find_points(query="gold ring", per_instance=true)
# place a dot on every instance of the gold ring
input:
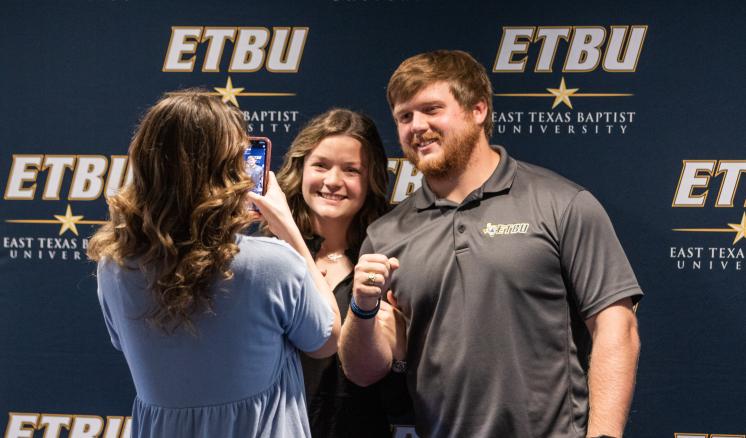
(372, 277)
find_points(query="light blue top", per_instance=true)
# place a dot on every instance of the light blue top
(241, 374)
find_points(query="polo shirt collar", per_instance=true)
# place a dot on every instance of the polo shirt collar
(500, 181)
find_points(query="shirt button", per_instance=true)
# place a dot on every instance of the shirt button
(461, 228)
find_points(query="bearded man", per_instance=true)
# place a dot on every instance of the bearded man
(508, 275)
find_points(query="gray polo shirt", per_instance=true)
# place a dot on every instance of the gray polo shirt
(496, 290)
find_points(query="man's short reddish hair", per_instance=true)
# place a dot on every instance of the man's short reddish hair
(466, 78)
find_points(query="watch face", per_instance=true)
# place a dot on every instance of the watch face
(399, 366)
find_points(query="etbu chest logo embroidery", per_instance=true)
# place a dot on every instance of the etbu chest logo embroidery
(493, 230)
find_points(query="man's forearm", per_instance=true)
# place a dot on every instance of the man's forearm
(364, 350)
(611, 377)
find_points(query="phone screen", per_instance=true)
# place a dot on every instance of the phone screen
(256, 159)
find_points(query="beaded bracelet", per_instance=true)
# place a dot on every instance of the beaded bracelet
(364, 314)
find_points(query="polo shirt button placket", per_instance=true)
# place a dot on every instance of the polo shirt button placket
(460, 238)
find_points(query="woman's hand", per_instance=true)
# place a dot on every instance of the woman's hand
(273, 207)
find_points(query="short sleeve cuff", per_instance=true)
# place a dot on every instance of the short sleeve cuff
(327, 331)
(635, 293)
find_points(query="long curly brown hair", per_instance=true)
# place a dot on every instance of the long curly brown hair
(178, 218)
(337, 121)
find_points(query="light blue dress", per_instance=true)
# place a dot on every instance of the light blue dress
(240, 376)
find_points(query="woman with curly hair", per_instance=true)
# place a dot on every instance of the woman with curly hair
(335, 179)
(209, 321)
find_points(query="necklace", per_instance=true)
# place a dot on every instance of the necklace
(334, 257)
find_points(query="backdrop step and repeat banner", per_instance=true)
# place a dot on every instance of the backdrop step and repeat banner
(640, 103)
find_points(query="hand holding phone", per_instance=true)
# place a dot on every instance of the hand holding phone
(257, 157)
(275, 211)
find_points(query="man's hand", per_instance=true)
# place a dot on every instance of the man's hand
(368, 345)
(372, 278)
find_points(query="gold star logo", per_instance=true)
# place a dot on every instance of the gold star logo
(740, 229)
(229, 93)
(68, 221)
(562, 94)
(489, 229)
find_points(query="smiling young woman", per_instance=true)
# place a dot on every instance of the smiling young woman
(335, 179)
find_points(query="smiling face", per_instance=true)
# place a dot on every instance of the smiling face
(335, 179)
(436, 134)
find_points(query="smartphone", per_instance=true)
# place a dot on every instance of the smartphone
(257, 157)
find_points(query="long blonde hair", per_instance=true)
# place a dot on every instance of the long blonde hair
(333, 122)
(178, 218)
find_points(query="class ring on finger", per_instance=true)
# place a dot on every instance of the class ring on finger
(371, 280)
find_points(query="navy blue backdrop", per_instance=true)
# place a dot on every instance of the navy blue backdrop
(654, 129)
